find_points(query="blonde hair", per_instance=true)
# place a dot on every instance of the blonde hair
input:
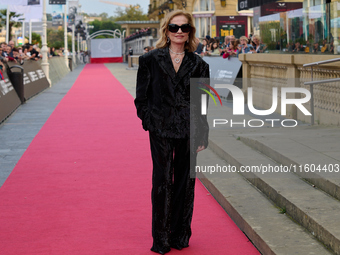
(243, 38)
(162, 41)
(256, 36)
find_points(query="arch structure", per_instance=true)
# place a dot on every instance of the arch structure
(106, 50)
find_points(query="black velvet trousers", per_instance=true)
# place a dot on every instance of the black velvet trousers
(172, 191)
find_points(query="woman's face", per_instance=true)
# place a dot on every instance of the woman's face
(256, 41)
(204, 42)
(178, 37)
(215, 45)
(243, 41)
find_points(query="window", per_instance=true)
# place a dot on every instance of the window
(203, 11)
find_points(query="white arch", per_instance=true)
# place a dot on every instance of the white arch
(112, 33)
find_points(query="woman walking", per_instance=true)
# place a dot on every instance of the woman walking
(163, 105)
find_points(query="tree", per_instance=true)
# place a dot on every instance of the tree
(55, 38)
(36, 38)
(130, 13)
(103, 25)
(3, 20)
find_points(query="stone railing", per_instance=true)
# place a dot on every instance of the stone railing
(138, 44)
(263, 72)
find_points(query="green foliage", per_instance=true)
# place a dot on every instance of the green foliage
(49, 17)
(131, 13)
(103, 25)
(55, 38)
(3, 20)
(266, 33)
(36, 38)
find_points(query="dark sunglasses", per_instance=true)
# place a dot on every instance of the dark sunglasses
(173, 28)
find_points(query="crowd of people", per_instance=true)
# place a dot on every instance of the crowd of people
(25, 52)
(296, 47)
(231, 47)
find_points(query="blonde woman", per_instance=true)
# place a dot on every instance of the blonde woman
(258, 46)
(163, 105)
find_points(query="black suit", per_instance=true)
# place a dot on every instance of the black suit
(165, 105)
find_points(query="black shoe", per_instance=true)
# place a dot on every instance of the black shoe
(161, 251)
(176, 246)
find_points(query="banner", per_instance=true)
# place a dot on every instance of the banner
(19, 9)
(63, 2)
(33, 2)
(57, 15)
(226, 70)
(14, 2)
(248, 4)
(35, 14)
(32, 12)
(73, 12)
(106, 48)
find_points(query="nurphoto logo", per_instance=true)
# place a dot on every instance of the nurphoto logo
(239, 103)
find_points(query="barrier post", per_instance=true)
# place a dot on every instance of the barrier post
(65, 36)
(45, 65)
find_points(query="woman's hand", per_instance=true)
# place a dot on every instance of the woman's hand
(200, 148)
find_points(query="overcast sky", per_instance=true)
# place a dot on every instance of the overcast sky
(95, 6)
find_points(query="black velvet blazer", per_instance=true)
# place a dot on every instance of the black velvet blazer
(163, 96)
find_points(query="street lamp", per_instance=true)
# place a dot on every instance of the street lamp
(171, 5)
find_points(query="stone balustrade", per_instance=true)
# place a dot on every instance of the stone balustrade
(263, 72)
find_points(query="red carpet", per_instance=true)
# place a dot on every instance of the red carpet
(83, 186)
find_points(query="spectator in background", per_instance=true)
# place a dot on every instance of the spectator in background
(226, 42)
(205, 45)
(7, 52)
(33, 54)
(53, 53)
(232, 50)
(3, 49)
(199, 48)
(250, 38)
(297, 48)
(213, 48)
(291, 47)
(130, 51)
(11, 44)
(3, 55)
(146, 49)
(278, 46)
(17, 56)
(258, 47)
(331, 47)
(2, 70)
(308, 47)
(316, 48)
(244, 46)
(324, 47)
